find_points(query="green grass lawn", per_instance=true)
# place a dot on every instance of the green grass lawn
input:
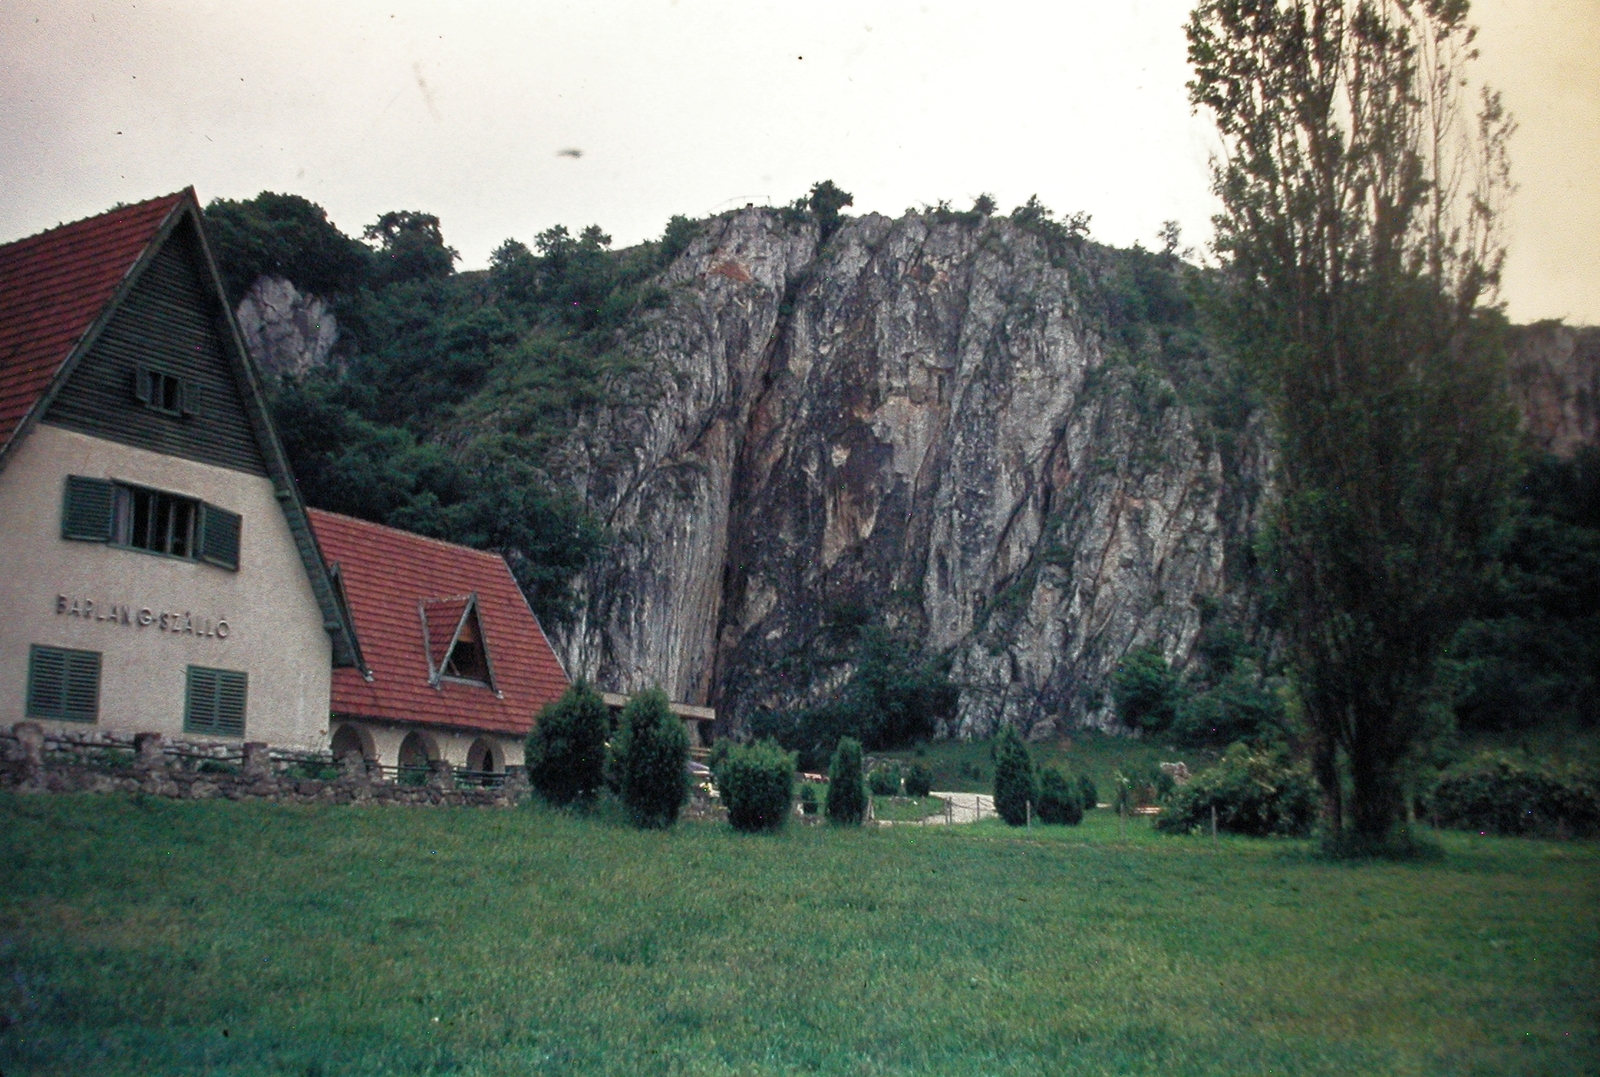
(152, 937)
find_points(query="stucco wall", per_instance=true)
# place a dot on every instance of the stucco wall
(273, 624)
(451, 745)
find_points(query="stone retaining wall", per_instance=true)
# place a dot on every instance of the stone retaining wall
(29, 767)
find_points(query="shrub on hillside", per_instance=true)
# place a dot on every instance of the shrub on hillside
(757, 785)
(1088, 795)
(567, 748)
(884, 781)
(1058, 799)
(919, 781)
(652, 760)
(1147, 692)
(847, 795)
(1257, 792)
(1013, 777)
(1498, 793)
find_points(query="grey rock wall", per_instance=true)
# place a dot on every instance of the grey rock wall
(922, 420)
(287, 332)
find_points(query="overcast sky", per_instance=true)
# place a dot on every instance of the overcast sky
(478, 112)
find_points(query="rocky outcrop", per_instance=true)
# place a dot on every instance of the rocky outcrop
(1555, 385)
(287, 332)
(923, 419)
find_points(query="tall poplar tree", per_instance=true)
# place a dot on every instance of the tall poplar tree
(1360, 188)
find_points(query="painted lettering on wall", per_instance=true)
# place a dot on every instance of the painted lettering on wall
(186, 623)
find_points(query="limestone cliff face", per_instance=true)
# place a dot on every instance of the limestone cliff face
(1555, 385)
(287, 332)
(921, 419)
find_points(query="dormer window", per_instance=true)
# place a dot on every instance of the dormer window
(467, 659)
(453, 635)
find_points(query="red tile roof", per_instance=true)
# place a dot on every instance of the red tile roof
(52, 288)
(387, 575)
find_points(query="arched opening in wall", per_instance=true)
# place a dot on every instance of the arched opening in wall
(417, 751)
(485, 761)
(352, 742)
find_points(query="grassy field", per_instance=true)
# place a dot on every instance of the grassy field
(152, 937)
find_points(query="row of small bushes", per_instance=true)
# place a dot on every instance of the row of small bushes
(1020, 794)
(888, 780)
(573, 754)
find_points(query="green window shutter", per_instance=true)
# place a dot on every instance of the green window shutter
(219, 536)
(141, 385)
(63, 684)
(215, 702)
(86, 509)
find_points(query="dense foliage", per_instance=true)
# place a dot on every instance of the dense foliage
(847, 794)
(1500, 793)
(567, 748)
(1060, 800)
(1257, 792)
(1531, 653)
(895, 694)
(884, 781)
(1014, 789)
(652, 760)
(756, 783)
(919, 781)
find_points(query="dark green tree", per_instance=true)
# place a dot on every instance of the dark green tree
(652, 763)
(1059, 799)
(1014, 787)
(1146, 691)
(756, 782)
(1359, 200)
(847, 793)
(411, 247)
(567, 748)
(283, 235)
(826, 200)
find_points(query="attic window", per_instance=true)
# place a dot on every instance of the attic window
(160, 391)
(457, 649)
(466, 659)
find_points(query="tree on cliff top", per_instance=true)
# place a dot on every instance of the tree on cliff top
(1360, 196)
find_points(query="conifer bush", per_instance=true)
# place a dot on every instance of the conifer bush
(1013, 777)
(567, 748)
(847, 794)
(652, 760)
(919, 781)
(1058, 799)
(757, 785)
(1088, 795)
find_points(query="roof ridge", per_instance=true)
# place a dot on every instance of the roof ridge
(493, 554)
(128, 208)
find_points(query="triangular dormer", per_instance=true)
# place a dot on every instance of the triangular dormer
(458, 649)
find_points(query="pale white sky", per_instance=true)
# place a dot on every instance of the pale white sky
(692, 106)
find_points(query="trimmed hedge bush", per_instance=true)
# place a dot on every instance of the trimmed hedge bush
(652, 760)
(567, 748)
(1254, 792)
(1499, 793)
(757, 785)
(847, 795)
(1013, 777)
(919, 781)
(884, 781)
(1058, 799)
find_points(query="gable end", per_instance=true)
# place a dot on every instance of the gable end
(167, 326)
